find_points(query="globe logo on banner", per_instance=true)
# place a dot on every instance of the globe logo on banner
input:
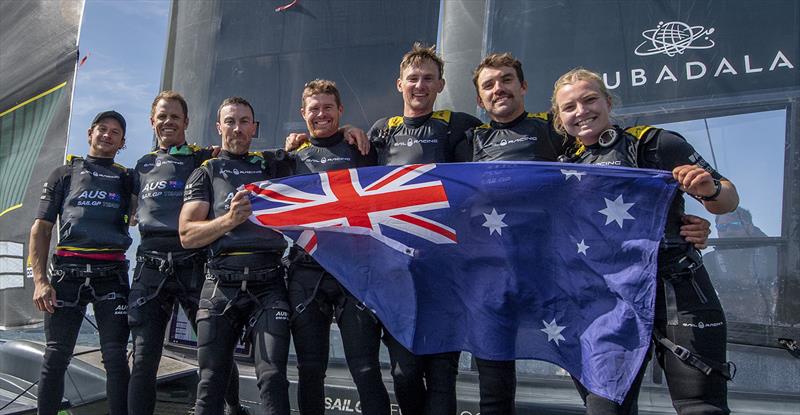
(673, 38)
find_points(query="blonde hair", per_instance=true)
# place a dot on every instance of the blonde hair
(321, 86)
(569, 78)
(418, 54)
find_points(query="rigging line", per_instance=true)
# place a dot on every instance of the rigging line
(86, 317)
(710, 145)
(19, 395)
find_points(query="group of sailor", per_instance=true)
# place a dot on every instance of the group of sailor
(233, 282)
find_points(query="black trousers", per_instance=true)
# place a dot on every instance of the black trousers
(315, 297)
(148, 321)
(423, 384)
(225, 309)
(61, 332)
(497, 383)
(702, 329)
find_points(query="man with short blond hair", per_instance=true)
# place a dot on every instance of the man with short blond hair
(422, 384)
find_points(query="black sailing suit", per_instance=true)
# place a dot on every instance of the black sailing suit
(687, 311)
(90, 197)
(244, 287)
(316, 297)
(529, 137)
(423, 384)
(165, 271)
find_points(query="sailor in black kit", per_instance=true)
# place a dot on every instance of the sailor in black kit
(435, 137)
(244, 281)
(512, 135)
(422, 384)
(90, 198)
(315, 295)
(690, 327)
(165, 271)
(529, 137)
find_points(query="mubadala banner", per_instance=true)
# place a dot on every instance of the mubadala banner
(654, 51)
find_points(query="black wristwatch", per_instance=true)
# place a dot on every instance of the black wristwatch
(713, 197)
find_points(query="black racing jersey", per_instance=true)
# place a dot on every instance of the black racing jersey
(158, 181)
(652, 148)
(438, 137)
(216, 182)
(331, 153)
(90, 198)
(529, 137)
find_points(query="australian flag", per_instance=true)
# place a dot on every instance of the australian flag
(512, 260)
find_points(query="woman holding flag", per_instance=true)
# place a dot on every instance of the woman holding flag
(690, 327)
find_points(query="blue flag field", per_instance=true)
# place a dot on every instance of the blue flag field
(511, 260)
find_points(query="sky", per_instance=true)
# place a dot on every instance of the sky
(125, 42)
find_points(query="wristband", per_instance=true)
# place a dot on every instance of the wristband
(713, 197)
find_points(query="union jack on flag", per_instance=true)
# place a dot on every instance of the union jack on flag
(356, 202)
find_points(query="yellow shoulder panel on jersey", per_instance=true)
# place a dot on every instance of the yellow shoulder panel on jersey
(395, 121)
(443, 115)
(255, 154)
(305, 145)
(120, 166)
(541, 115)
(71, 158)
(205, 163)
(639, 131)
(195, 148)
(484, 126)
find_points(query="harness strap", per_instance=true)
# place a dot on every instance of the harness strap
(165, 264)
(302, 306)
(97, 298)
(681, 270)
(79, 271)
(727, 369)
(263, 274)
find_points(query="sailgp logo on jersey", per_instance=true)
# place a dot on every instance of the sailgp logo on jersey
(673, 38)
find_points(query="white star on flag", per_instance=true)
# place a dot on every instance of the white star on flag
(582, 247)
(617, 211)
(570, 173)
(553, 331)
(494, 222)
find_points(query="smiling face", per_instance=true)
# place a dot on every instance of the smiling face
(322, 114)
(237, 127)
(106, 138)
(420, 85)
(169, 123)
(583, 109)
(501, 93)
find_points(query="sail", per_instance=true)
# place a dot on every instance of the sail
(266, 53)
(37, 71)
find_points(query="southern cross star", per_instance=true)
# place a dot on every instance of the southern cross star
(570, 173)
(494, 221)
(582, 247)
(553, 331)
(616, 211)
